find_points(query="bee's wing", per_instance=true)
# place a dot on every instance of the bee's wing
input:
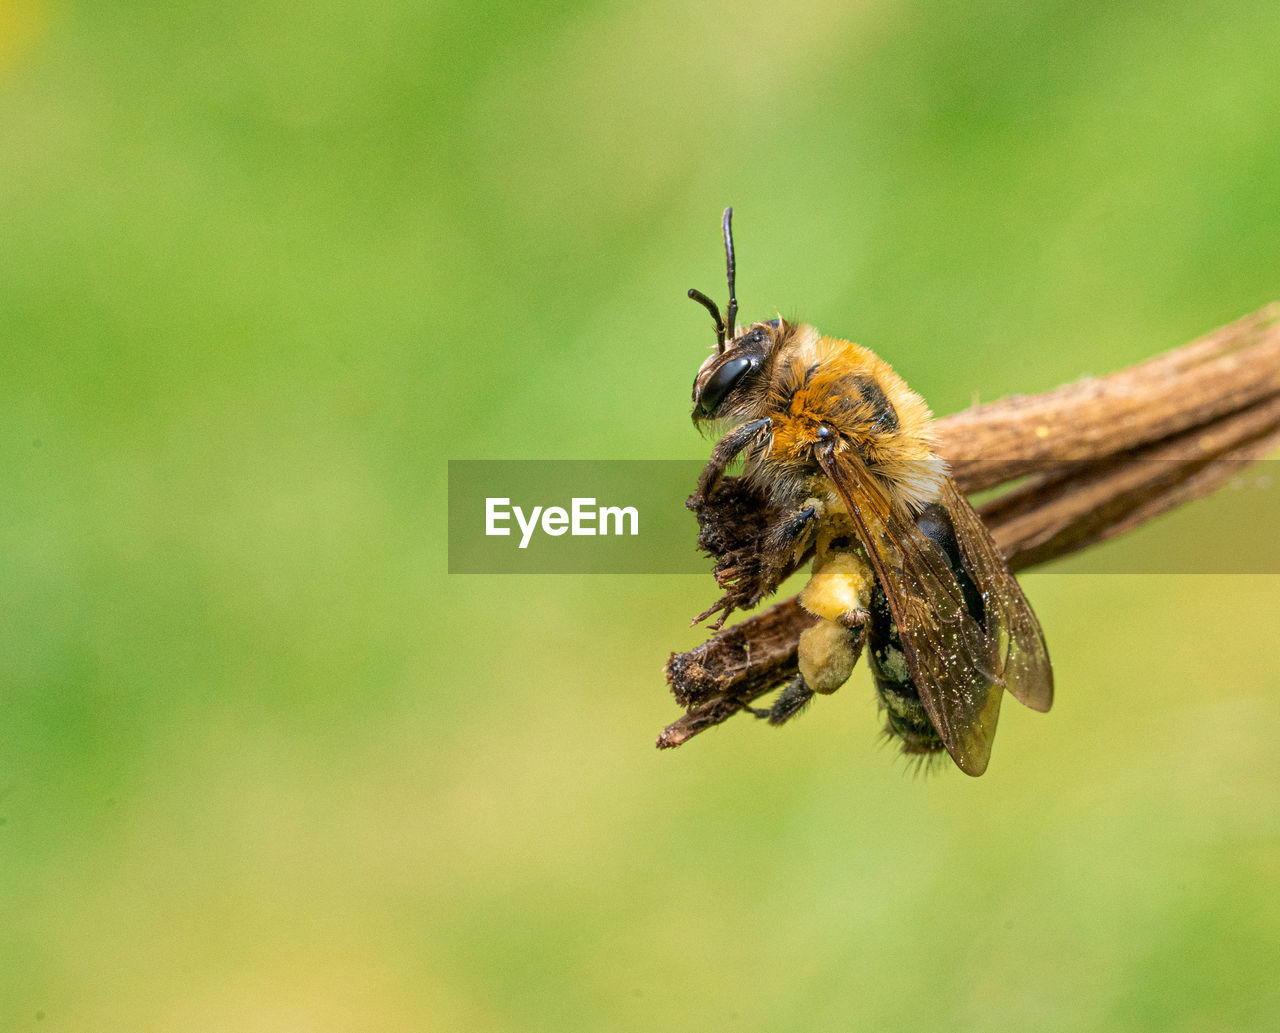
(956, 666)
(1026, 669)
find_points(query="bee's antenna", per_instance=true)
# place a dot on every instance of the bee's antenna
(714, 309)
(727, 225)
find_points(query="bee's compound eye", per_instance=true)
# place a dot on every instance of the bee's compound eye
(721, 383)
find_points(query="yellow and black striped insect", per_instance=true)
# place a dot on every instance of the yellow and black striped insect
(843, 450)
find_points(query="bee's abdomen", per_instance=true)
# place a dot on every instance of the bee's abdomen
(905, 715)
(936, 524)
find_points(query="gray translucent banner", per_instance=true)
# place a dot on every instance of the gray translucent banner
(629, 517)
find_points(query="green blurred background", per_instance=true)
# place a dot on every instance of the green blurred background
(265, 267)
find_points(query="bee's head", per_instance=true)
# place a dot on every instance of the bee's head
(730, 382)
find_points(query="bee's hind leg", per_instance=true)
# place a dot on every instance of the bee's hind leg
(791, 700)
(828, 652)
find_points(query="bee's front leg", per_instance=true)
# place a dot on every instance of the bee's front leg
(725, 452)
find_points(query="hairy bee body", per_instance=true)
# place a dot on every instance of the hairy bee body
(844, 450)
(822, 387)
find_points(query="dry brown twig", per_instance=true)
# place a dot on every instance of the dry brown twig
(1088, 454)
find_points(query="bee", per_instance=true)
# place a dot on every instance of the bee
(844, 454)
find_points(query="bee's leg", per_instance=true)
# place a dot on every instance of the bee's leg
(786, 535)
(782, 547)
(840, 590)
(791, 700)
(827, 653)
(839, 594)
(724, 453)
